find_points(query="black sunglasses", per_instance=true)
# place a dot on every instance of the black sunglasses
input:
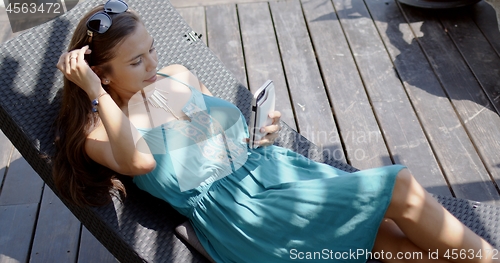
(101, 21)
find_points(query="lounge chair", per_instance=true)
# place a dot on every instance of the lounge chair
(141, 228)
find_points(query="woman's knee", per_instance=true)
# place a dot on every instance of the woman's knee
(402, 186)
(407, 196)
(390, 239)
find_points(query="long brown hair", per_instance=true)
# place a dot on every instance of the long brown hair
(78, 178)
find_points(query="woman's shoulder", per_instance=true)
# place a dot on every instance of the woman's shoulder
(191, 77)
(173, 69)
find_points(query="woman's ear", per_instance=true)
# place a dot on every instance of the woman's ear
(95, 69)
(99, 72)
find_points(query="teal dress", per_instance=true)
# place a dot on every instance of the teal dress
(267, 204)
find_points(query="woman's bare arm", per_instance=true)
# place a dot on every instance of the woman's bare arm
(115, 143)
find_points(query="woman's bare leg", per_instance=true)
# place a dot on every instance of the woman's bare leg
(430, 226)
(396, 247)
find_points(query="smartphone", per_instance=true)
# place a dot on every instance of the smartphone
(262, 104)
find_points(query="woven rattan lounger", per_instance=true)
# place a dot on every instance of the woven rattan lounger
(142, 228)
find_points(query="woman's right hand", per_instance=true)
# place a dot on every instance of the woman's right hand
(73, 65)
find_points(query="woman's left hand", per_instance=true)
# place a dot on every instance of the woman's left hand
(271, 130)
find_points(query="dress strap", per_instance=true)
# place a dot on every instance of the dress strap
(168, 76)
(196, 97)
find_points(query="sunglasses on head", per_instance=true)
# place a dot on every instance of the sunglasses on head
(100, 22)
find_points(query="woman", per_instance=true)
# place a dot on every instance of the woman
(181, 144)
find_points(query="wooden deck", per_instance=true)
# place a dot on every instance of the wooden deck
(373, 82)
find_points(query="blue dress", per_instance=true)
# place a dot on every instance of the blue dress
(261, 205)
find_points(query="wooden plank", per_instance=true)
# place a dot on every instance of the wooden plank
(310, 101)
(481, 122)
(262, 57)
(486, 19)
(21, 185)
(190, 3)
(402, 131)
(6, 149)
(17, 223)
(224, 39)
(358, 127)
(92, 251)
(480, 56)
(5, 30)
(57, 233)
(195, 17)
(449, 140)
(482, 59)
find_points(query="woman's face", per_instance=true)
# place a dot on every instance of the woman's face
(134, 64)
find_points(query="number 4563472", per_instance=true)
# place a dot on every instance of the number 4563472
(33, 8)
